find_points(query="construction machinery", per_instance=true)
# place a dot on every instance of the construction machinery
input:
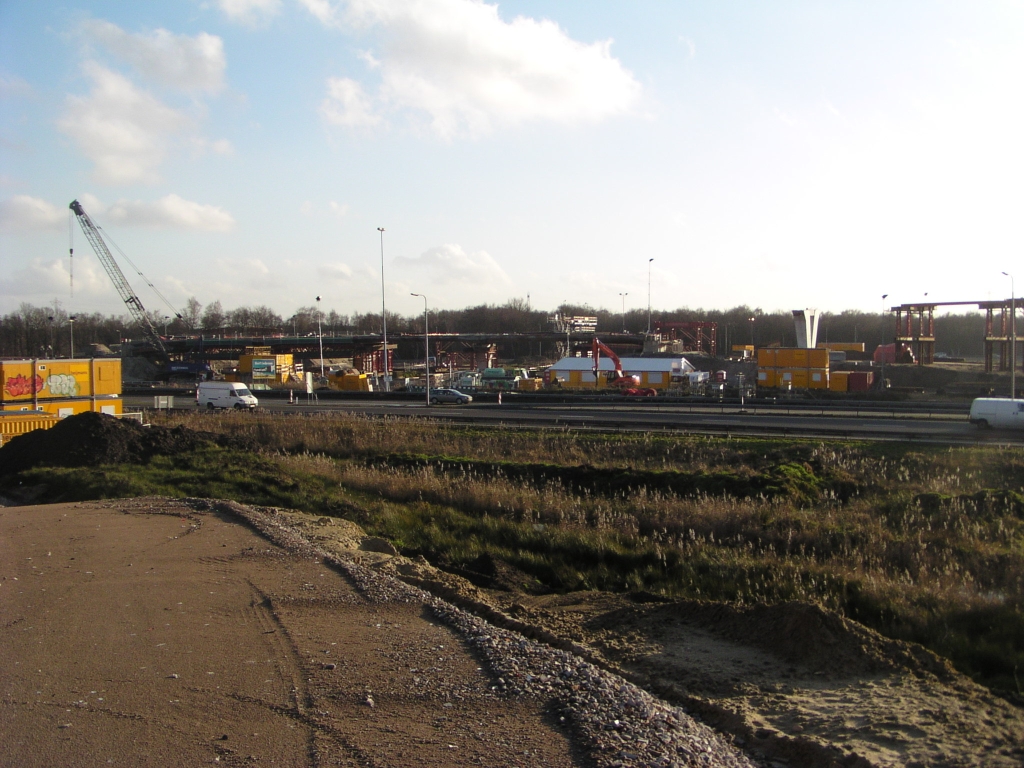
(626, 384)
(128, 296)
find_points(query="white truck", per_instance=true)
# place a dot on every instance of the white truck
(224, 394)
(998, 412)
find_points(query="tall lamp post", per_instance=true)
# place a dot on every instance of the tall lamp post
(383, 310)
(426, 344)
(623, 297)
(1013, 338)
(752, 331)
(649, 262)
(320, 335)
(71, 327)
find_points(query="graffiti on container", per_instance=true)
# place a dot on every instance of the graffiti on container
(19, 385)
(62, 384)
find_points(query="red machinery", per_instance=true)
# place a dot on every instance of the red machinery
(626, 384)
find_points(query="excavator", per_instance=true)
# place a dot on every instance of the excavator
(627, 385)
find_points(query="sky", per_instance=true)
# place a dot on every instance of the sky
(779, 155)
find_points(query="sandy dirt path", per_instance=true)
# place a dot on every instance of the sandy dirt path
(139, 634)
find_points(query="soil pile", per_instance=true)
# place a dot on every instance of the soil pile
(92, 439)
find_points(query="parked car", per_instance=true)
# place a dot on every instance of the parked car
(449, 396)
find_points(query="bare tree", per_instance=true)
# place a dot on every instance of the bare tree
(213, 317)
(191, 313)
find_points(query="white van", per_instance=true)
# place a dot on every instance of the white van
(224, 394)
(999, 412)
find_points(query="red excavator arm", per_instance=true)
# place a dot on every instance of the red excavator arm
(620, 379)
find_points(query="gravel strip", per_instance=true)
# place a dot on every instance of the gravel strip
(617, 723)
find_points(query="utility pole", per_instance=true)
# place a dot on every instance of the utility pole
(384, 310)
(1013, 338)
(320, 335)
(649, 262)
(426, 344)
(623, 297)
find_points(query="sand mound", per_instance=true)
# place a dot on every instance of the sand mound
(797, 632)
(91, 439)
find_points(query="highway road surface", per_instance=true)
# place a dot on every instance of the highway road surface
(914, 425)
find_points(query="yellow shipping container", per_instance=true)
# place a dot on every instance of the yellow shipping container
(766, 377)
(789, 357)
(264, 366)
(349, 382)
(655, 379)
(111, 405)
(842, 346)
(26, 380)
(530, 385)
(795, 357)
(766, 358)
(792, 377)
(13, 423)
(817, 378)
(838, 381)
(817, 358)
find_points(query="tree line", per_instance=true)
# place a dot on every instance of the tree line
(48, 331)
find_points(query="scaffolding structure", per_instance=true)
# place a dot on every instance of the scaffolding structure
(915, 326)
(696, 336)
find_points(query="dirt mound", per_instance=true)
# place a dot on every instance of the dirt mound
(797, 632)
(91, 439)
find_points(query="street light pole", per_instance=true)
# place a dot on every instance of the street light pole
(1013, 338)
(320, 335)
(71, 326)
(426, 344)
(623, 297)
(649, 262)
(383, 310)
(752, 331)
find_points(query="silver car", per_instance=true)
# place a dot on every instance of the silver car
(449, 396)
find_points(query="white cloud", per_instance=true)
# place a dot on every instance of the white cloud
(188, 63)
(468, 71)
(170, 212)
(324, 12)
(449, 264)
(42, 279)
(23, 213)
(122, 129)
(334, 272)
(12, 86)
(347, 105)
(333, 208)
(249, 12)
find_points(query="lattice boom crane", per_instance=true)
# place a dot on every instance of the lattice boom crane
(131, 300)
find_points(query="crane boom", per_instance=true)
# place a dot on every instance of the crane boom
(131, 300)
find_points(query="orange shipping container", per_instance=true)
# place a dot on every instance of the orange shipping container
(766, 358)
(817, 378)
(838, 381)
(766, 377)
